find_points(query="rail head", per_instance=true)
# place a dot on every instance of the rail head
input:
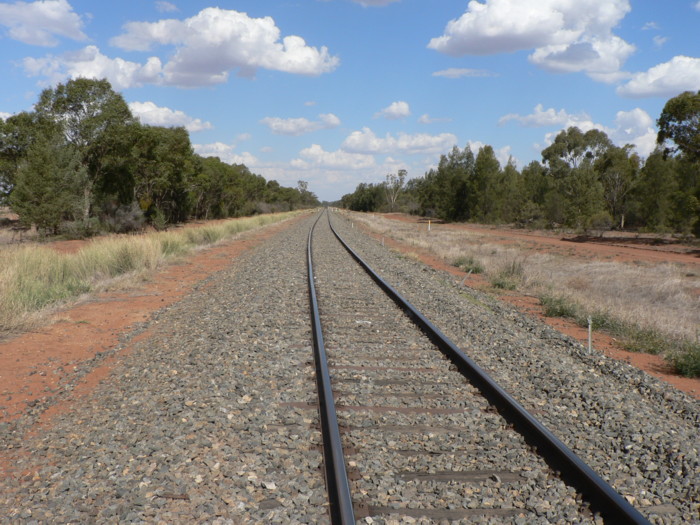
(339, 496)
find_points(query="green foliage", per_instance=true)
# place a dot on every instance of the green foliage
(558, 307)
(679, 123)
(367, 197)
(105, 168)
(687, 359)
(48, 185)
(468, 264)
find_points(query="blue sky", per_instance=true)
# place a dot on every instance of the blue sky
(338, 92)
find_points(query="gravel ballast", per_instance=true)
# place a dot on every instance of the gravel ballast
(210, 420)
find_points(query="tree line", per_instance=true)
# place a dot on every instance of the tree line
(81, 162)
(584, 181)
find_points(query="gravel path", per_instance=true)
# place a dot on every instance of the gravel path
(206, 421)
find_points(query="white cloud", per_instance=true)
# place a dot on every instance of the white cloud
(166, 7)
(566, 36)
(209, 45)
(659, 41)
(546, 117)
(150, 113)
(39, 23)
(601, 58)
(5, 116)
(697, 6)
(226, 153)
(631, 127)
(365, 141)
(635, 127)
(459, 72)
(427, 119)
(300, 126)
(316, 157)
(394, 111)
(89, 62)
(650, 25)
(681, 73)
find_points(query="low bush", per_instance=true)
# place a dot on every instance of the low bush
(468, 264)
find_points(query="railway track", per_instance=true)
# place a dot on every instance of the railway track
(413, 429)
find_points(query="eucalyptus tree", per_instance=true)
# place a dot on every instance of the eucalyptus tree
(679, 124)
(618, 170)
(93, 119)
(393, 186)
(17, 134)
(48, 184)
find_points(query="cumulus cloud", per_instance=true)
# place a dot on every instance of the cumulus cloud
(635, 127)
(150, 113)
(40, 23)
(316, 157)
(5, 116)
(394, 111)
(631, 127)
(546, 117)
(459, 72)
(89, 62)
(566, 36)
(681, 73)
(209, 45)
(365, 141)
(226, 153)
(300, 126)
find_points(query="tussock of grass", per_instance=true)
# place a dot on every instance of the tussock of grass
(508, 275)
(468, 264)
(34, 278)
(658, 304)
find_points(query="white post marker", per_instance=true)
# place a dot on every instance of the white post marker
(590, 335)
(428, 224)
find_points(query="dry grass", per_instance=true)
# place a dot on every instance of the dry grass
(659, 302)
(35, 279)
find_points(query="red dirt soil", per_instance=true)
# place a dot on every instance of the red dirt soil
(621, 248)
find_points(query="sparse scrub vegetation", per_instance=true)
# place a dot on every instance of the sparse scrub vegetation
(34, 278)
(468, 264)
(652, 308)
(508, 274)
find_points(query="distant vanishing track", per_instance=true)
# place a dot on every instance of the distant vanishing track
(382, 366)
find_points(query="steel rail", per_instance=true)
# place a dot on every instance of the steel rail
(339, 497)
(600, 495)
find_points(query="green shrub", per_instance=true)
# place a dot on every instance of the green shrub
(468, 264)
(559, 307)
(686, 359)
